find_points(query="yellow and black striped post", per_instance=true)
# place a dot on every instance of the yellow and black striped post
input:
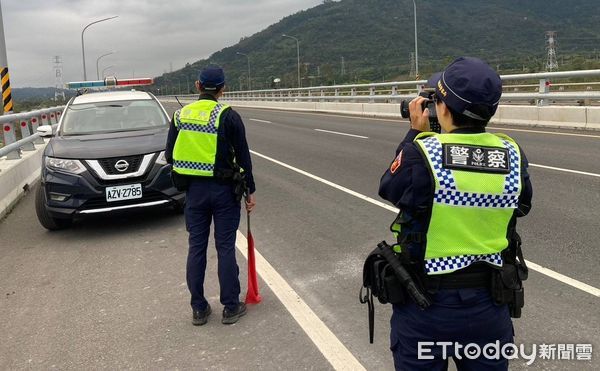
(7, 102)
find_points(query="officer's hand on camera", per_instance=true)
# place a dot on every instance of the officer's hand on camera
(419, 119)
(250, 202)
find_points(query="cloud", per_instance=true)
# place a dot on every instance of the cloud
(148, 35)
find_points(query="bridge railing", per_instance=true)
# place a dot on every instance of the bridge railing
(393, 92)
(26, 123)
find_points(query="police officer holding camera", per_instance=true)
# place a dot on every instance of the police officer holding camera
(459, 194)
(208, 150)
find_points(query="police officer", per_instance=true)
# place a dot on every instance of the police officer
(459, 194)
(208, 150)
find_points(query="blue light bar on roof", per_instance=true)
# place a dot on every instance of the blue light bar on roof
(85, 84)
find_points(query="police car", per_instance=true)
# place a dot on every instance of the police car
(107, 155)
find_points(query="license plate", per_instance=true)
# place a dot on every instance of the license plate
(121, 193)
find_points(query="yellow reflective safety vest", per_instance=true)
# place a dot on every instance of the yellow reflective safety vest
(477, 183)
(196, 145)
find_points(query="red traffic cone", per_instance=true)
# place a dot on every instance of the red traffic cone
(252, 295)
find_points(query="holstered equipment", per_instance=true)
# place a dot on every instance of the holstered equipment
(385, 277)
(233, 176)
(507, 283)
(240, 188)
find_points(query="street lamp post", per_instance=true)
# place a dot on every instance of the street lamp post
(83, 46)
(104, 70)
(97, 63)
(416, 47)
(298, 52)
(247, 57)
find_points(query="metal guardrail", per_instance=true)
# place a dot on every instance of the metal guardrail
(389, 91)
(28, 123)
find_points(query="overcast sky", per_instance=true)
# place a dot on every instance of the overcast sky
(147, 36)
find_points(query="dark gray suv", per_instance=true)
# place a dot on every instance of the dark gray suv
(107, 155)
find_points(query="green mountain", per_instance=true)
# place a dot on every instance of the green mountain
(375, 38)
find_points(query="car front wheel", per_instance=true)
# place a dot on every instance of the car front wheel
(46, 220)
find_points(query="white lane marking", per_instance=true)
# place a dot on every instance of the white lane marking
(328, 344)
(397, 120)
(565, 170)
(263, 121)
(561, 277)
(331, 184)
(538, 268)
(338, 133)
(392, 119)
(544, 132)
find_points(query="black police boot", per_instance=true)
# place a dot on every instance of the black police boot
(200, 317)
(231, 317)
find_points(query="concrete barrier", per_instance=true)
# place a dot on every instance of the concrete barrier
(516, 115)
(17, 176)
(593, 118)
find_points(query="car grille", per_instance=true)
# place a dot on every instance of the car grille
(100, 202)
(108, 164)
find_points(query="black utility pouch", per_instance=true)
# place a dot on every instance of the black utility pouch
(239, 185)
(394, 290)
(517, 304)
(379, 277)
(180, 182)
(507, 288)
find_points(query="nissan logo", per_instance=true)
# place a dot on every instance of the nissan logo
(122, 165)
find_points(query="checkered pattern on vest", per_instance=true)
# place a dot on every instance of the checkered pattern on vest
(439, 265)
(434, 148)
(193, 165)
(513, 180)
(449, 195)
(210, 128)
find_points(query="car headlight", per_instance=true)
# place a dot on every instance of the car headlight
(65, 165)
(161, 159)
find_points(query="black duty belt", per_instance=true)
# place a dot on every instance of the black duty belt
(459, 280)
(223, 174)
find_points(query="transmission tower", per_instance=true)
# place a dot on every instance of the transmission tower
(551, 63)
(412, 64)
(58, 84)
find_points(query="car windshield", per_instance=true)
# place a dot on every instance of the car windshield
(110, 117)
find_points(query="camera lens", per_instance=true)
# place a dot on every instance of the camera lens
(404, 109)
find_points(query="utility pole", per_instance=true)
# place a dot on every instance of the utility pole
(551, 62)
(298, 55)
(58, 82)
(416, 45)
(343, 67)
(248, 58)
(7, 102)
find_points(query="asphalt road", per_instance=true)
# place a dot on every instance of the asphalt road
(110, 292)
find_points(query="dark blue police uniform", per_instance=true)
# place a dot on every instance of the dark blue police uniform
(211, 198)
(463, 316)
(457, 315)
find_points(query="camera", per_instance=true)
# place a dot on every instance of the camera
(429, 103)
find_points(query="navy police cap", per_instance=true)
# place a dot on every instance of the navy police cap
(469, 86)
(212, 77)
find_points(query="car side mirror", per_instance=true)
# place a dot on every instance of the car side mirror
(45, 131)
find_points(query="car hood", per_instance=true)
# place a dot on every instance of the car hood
(96, 146)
